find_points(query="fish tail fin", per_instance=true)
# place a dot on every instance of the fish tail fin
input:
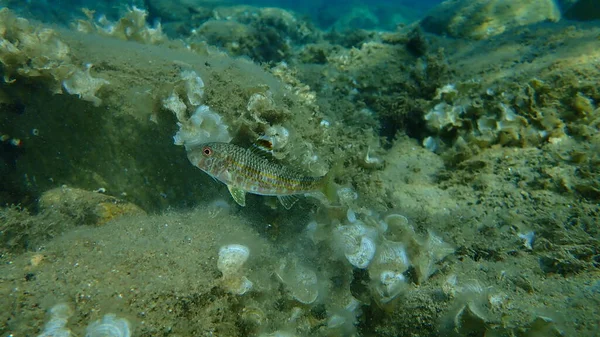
(328, 186)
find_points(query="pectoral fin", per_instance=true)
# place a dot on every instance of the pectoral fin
(238, 195)
(287, 200)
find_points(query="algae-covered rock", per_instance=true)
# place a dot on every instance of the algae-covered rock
(481, 19)
(235, 37)
(26, 51)
(140, 266)
(57, 211)
(86, 207)
(357, 17)
(124, 143)
(175, 10)
(264, 34)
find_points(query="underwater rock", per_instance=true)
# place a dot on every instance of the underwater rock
(235, 37)
(109, 326)
(481, 117)
(264, 34)
(469, 320)
(88, 208)
(476, 311)
(278, 333)
(29, 51)
(355, 18)
(482, 19)
(176, 10)
(543, 326)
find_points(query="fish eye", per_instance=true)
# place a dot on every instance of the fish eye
(207, 151)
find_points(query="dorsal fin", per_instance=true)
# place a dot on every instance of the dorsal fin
(263, 147)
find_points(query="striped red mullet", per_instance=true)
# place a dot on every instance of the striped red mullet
(244, 171)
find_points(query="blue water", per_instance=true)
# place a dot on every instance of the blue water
(324, 14)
